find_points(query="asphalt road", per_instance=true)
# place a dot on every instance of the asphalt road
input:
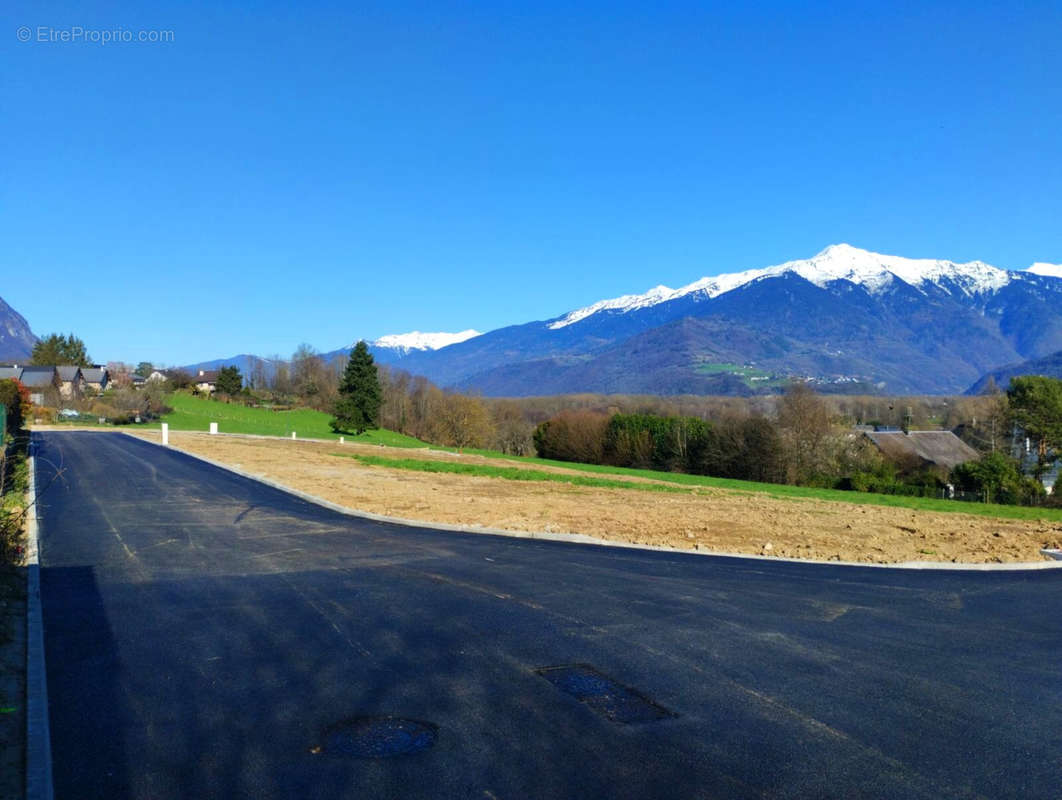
(208, 636)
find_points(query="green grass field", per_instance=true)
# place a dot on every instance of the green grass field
(508, 473)
(196, 413)
(710, 368)
(837, 495)
(751, 376)
(773, 489)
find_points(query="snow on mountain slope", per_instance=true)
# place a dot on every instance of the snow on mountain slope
(1050, 270)
(628, 302)
(873, 271)
(415, 340)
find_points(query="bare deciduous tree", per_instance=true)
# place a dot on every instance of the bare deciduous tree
(462, 420)
(808, 436)
(512, 432)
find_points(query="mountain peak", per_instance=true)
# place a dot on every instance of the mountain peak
(842, 249)
(415, 340)
(838, 262)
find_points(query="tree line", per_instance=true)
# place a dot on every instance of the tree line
(800, 437)
(806, 442)
(361, 394)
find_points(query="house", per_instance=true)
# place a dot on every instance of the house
(40, 381)
(94, 378)
(920, 449)
(10, 372)
(206, 381)
(71, 383)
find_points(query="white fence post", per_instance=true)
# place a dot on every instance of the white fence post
(213, 428)
(165, 433)
(341, 440)
(293, 434)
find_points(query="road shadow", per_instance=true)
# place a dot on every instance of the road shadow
(87, 709)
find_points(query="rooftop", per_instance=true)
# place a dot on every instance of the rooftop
(942, 448)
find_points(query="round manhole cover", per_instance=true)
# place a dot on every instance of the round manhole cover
(378, 737)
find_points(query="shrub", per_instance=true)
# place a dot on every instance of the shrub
(572, 436)
(998, 478)
(664, 443)
(15, 397)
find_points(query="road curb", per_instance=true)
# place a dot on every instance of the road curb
(582, 538)
(38, 735)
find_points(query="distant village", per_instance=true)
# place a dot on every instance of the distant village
(50, 386)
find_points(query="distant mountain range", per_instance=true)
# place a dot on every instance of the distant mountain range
(847, 319)
(16, 338)
(1050, 365)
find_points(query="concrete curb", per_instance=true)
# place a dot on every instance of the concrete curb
(38, 735)
(582, 538)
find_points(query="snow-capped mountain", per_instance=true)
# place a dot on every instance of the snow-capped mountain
(415, 340)
(847, 318)
(839, 262)
(395, 348)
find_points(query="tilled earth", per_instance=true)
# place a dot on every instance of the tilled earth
(704, 519)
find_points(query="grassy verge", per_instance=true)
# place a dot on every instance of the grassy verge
(12, 624)
(834, 495)
(12, 503)
(508, 473)
(196, 413)
(778, 490)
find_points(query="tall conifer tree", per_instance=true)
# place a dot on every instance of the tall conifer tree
(358, 406)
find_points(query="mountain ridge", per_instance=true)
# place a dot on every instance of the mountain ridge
(843, 318)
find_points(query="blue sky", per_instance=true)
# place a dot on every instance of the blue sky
(320, 172)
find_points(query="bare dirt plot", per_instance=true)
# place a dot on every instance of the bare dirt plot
(706, 519)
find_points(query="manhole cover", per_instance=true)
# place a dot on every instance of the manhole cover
(607, 697)
(377, 737)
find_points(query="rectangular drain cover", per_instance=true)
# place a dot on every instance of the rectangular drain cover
(613, 700)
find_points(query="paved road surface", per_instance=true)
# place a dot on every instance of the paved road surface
(206, 635)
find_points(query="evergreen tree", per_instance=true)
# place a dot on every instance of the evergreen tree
(358, 406)
(230, 381)
(1036, 405)
(58, 350)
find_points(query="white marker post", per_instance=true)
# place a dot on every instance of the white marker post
(293, 434)
(213, 429)
(165, 433)
(341, 440)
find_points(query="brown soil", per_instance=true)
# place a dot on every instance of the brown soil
(712, 520)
